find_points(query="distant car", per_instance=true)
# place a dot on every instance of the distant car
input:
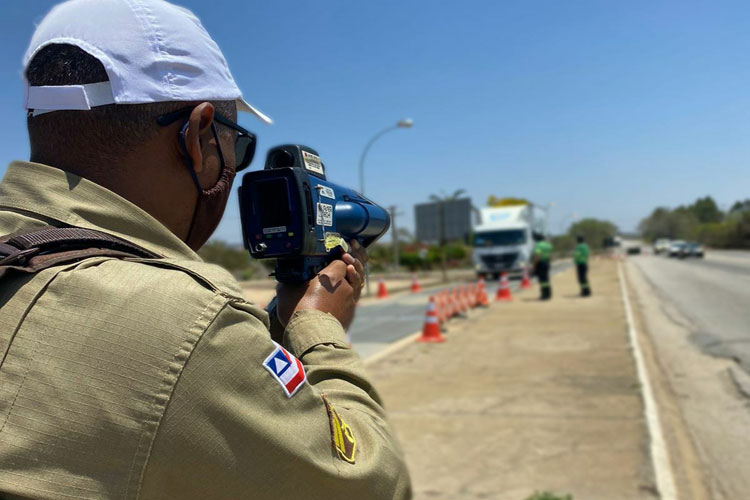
(675, 248)
(691, 249)
(661, 245)
(633, 250)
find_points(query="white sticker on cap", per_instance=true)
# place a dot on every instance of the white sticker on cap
(325, 215)
(326, 191)
(313, 163)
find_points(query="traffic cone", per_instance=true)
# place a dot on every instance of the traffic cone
(431, 328)
(483, 300)
(441, 308)
(447, 304)
(503, 291)
(525, 282)
(454, 302)
(382, 291)
(461, 302)
(415, 284)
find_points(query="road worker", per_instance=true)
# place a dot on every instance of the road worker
(542, 257)
(581, 260)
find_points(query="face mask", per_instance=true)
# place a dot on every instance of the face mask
(209, 210)
(211, 202)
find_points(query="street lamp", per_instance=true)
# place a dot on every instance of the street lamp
(404, 123)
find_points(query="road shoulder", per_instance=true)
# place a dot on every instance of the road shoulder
(526, 396)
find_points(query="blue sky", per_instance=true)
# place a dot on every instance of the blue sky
(605, 108)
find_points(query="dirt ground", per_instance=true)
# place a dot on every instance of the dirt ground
(522, 397)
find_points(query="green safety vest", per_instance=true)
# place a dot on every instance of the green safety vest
(581, 254)
(543, 249)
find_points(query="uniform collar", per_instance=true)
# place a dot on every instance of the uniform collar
(55, 194)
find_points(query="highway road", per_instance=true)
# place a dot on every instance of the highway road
(380, 323)
(697, 317)
(713, 294)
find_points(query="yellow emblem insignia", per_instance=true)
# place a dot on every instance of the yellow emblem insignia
(342, 436)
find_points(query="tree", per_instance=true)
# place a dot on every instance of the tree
(740, 206)
(594, 231)
(680, 223)
(229, 257)
(701, 221)
(442, 200)
(706, 210)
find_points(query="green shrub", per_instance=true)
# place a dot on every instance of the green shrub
(546, 495)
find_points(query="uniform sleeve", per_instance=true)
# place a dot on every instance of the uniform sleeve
(231, 430)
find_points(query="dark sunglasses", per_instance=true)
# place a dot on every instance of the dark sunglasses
(244, 145)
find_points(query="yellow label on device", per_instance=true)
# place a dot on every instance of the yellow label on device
(333, 240)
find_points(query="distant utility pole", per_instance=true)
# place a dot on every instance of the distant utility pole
(442, 201)
(394, 234)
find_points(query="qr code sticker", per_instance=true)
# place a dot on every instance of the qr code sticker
(325, 214)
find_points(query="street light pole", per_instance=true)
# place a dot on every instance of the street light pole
(405, 123)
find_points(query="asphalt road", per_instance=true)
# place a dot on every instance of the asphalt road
(378, 324)
(713, 294)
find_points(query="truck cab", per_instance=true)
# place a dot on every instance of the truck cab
(504, 240)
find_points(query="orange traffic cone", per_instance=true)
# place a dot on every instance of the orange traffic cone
(503, 291)
(461, 302)
(483, 300)
(441, 308)
(415, 284)
(526, 282)
(431, 328)
(448, 304)
(382, 291)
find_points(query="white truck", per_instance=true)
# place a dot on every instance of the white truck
(504, 238)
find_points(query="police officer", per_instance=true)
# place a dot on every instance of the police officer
(581, 259)
(154, 378)
(542, 256)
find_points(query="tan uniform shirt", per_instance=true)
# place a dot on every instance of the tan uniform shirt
(150, 379)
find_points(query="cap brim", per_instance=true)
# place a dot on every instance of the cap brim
(243, 105)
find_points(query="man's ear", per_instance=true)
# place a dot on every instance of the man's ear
(199, 130)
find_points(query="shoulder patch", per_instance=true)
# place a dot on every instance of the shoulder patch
(342, 437)
(286, 369)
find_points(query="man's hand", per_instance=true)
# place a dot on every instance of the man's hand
(335, 290)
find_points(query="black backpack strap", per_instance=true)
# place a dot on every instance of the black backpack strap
(32, 250)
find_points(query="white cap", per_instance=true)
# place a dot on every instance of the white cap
(152, 50)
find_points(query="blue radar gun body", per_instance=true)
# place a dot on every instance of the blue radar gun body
(290, 212)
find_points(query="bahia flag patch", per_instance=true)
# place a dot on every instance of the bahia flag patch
(286, 369)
